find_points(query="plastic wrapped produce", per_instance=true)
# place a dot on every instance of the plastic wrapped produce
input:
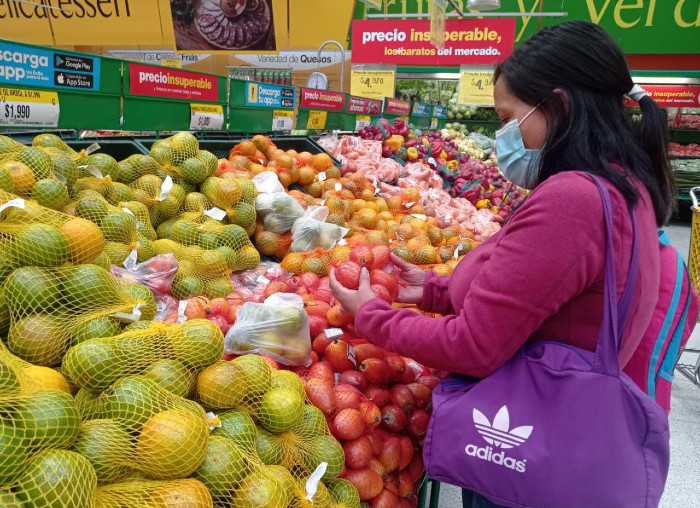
(310, 232)
(279, 327)
(279, 211)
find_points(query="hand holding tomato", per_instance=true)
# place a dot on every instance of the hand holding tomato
(352, 299)
(413, 278)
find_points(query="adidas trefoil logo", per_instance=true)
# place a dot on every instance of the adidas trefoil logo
(497, 433)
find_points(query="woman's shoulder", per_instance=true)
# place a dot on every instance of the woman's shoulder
(570, 193)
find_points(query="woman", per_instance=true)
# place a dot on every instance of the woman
(560, 101)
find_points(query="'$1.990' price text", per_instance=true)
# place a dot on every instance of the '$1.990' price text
(17, 111)
(203, 121)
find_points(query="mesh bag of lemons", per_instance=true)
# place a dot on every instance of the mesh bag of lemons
(49, 309)
(40, 423)
(270, 437)
(125, 227)
(172, 354)
(181, 158)
(207, 252)
(279, 327)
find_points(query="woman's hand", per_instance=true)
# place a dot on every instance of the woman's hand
(352, 299)
(411, 281)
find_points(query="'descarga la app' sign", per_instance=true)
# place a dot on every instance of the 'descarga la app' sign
(25, 65)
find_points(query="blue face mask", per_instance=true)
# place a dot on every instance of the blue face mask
(519, 164)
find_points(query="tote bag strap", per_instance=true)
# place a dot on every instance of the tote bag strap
(614, 314)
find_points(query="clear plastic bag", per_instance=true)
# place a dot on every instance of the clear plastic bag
(267, 183)
(483, 142)
(279, 211)
(279, 328)
(156, 274)
(310, 232)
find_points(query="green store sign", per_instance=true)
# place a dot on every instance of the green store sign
(639, 26)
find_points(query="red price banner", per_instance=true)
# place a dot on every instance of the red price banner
(321, 99)
(173, 83)
(362, 105)
(397, 107)
(467, 42)
(672, 96)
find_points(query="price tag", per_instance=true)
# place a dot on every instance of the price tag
(317, 120)
(28, 108)
(332, 333)
(171, 62)
(373, 84)
(410, 204)
(282, 120)
(206, 117)
(475, 87)
(361, 122)
(433, 123)
(405, 119)
(322, 176)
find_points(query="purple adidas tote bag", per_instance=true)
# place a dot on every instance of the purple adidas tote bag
(556, 426)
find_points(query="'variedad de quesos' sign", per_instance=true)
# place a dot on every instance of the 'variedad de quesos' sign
(172, 83)
(467, 42)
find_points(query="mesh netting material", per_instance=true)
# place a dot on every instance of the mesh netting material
(53, 478)
(52, 308)
(272, 244)
(207, 252)
(126, 227)
(319, 261)
(184, 493)
(135, 166)
(161, 201)
(33, 235)
(264, 412)
(181, 158)
(137, 425)
(170, 354)
(236, 196)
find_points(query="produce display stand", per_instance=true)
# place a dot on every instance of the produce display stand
(155, 110)
(260, 107)
(692, 371)
(80, 104)
(438, 119)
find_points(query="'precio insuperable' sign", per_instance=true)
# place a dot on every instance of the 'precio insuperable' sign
(467, 42)
(172, 83)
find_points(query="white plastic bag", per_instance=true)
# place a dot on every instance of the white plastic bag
(156, 274)
(279, 211)
(279, 328)
(267, 183)
(310, 232)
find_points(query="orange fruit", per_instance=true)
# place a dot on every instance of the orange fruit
(333, 172)
(306, 175)
(340, 253)
(410, 194)
(285, 161)
(395, 203)
(415, 244)
(172, 444)
(322, 161)
(405, 232)
(247, 148)
(285, 178)
(261, 142)
(293, 262)
(305, 158)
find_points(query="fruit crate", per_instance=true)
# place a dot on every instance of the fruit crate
(118, 147)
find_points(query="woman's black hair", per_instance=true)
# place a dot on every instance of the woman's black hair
(587, 126)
